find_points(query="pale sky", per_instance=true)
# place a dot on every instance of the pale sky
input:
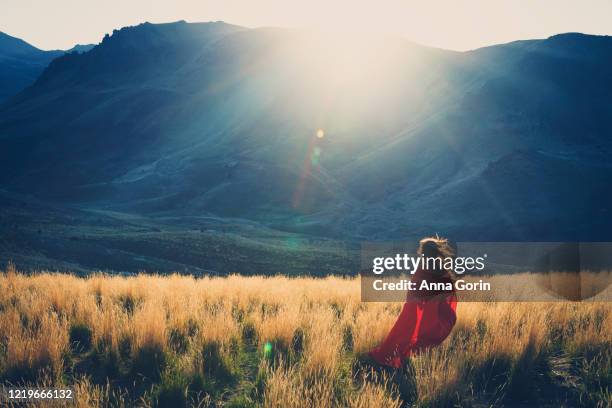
(451, 24)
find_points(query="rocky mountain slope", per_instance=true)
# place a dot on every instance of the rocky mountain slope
(509, 142)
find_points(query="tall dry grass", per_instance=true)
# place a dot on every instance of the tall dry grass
(286, 342)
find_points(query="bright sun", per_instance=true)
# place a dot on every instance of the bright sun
(347, 64)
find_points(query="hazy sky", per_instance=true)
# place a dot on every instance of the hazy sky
(452, 24)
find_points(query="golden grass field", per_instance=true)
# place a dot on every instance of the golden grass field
(286, 342)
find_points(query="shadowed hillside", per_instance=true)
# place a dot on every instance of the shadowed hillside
(21, 63)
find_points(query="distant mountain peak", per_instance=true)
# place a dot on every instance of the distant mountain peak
(20, 64)
(10, 45)
(578, 46)
(80, 48)
(178, 29)
(575, 35)
(142, 48)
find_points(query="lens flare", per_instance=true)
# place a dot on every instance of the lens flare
(314, 157)
(311, 161)
(320, 133)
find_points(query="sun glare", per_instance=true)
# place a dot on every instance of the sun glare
(338, 79)
(346, 62)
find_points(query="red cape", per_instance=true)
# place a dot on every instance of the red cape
(427, 318)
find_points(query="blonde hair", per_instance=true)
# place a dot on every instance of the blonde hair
(435, 247)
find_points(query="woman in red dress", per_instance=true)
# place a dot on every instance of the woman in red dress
(428, 316)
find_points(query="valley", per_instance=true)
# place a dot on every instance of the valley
(43, 237)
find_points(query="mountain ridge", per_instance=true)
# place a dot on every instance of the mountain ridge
(21, 63)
